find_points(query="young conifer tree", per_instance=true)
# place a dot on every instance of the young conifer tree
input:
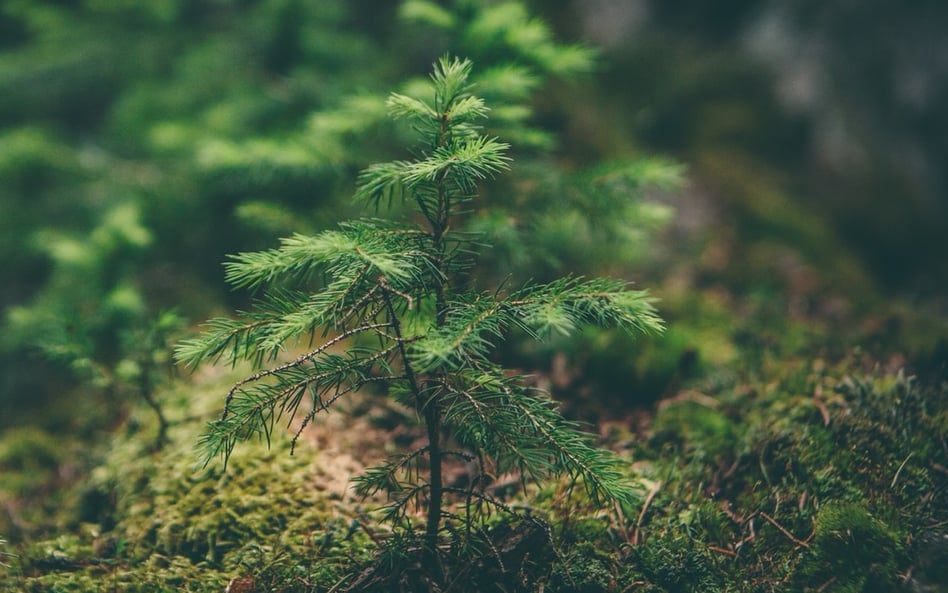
(393, 307)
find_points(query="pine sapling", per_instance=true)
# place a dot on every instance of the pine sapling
(392, 303)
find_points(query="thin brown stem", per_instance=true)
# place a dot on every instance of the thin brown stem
(432, 415)
(433, 424)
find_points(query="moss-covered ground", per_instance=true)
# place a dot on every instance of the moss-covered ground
(786, 434)
(787, 461)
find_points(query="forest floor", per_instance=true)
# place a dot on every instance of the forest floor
(784, 436)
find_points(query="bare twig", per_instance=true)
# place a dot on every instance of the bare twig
(899, 471)
(725, 551)
(784, 531)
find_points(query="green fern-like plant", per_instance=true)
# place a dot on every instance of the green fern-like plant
(392, 306)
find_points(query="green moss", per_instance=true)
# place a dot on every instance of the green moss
(838, 456)
(34, 466)
(677, 565)
(587, 568)
(28, 457)
(161, 575)
(852, 552)
(695, 425)
(764, 479)
(162, 522)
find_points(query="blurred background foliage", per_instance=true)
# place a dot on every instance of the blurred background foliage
(772, 170)
(141, 142)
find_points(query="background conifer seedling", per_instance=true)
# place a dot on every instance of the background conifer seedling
(393, 305)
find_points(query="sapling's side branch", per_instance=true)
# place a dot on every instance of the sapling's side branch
(386, 475)
(360, 303)
(597, 468)
(224, 332)
(492, 501)
(406, 498)
(560, 306)
(484, 418)
(270, 324)
(489, 413)
(261, 413)
(325, 405)
(296, 363)
(395, 323)
(338, 376)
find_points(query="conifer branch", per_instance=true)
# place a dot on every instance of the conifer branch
(221, 334)
(325, 405)
(376, 479)
(299, 361)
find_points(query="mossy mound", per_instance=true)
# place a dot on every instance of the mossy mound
(824, 479)
(34, 465)
(150, 520)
